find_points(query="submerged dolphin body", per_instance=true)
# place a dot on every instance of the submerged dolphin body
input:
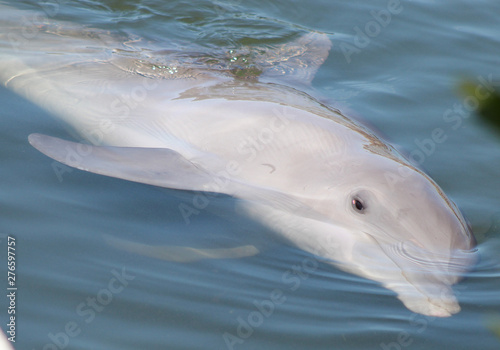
(235, 124)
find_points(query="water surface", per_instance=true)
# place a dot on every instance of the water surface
(400, 79)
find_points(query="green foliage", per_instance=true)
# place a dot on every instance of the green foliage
(488, 110)
(489, 104)
(493, 323)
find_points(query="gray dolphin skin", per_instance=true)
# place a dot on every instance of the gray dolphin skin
(243, 123)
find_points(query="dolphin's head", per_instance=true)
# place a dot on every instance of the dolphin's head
(416, 242)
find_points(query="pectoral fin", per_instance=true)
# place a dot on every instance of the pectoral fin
(154, 166)
(181, 253)
(162, 167)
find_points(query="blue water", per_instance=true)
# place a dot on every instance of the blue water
(401, 79)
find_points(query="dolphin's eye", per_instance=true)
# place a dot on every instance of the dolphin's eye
(358, 205)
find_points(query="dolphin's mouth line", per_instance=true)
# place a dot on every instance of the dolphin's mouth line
(425, 295)
(414, 252)
(403, 251)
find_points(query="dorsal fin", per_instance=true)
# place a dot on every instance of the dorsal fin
(295, 62)
(299, 60)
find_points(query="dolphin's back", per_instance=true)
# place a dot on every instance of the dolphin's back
(112, 94)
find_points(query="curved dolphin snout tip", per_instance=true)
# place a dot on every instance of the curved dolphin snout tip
(436, 307)
(432, 294)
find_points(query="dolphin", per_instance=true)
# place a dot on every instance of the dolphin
(242, 122)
